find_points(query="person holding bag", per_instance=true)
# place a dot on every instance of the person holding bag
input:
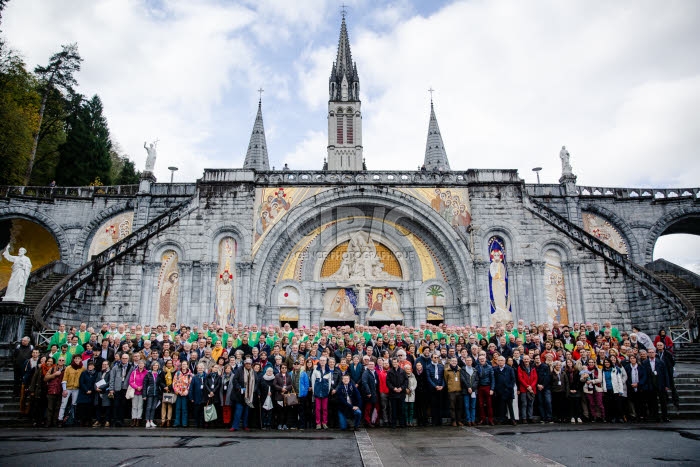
(165, 383)
(211, 388)
(267, 391)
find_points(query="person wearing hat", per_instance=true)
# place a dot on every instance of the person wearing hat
(244, 388)
(300, 382)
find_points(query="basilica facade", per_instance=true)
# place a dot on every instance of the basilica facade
(344, 244)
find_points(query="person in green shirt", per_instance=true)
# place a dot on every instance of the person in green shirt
(83, 334)
(62, 353)
(614, 332)
(59, 337)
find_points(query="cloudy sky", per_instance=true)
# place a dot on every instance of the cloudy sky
(617, 82)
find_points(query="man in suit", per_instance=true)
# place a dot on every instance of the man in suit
(503, 392)
(670, 362)
(349, 402)
(106, 353)
(657, 385)
(370, 393)
(436, 387)
(637, 380)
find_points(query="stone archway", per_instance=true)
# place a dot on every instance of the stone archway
(682, 220)
(365, 202)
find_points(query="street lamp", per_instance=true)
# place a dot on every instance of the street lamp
(537, 171)
(172, 173)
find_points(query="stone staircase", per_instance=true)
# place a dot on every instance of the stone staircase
(688, 387)
(688, 353)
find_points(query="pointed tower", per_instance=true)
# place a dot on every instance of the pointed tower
(256, 157)
(435, 156)
(344, 115)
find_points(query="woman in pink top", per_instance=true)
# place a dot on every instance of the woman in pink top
(136, 381)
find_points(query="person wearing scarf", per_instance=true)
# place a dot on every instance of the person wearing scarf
(88, 355)
(225, 390)
(54, 379)
(244, 388)
(86, 394)
(165, 382)
(70, 386)
(37, 393)
(267, 390)
(181, 387)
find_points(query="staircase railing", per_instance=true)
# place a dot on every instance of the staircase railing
(642, 275)
(73, 281)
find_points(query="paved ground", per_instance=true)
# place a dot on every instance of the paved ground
(676, 443)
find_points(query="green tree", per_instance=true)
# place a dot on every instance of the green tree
(85, 154)
(57, 75)
(128, 174)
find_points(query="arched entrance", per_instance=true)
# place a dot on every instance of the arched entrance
(40, 244)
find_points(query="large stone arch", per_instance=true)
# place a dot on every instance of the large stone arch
(620, 224)
(82, 244)
(400, 208)
(64, 245)
(682, 214)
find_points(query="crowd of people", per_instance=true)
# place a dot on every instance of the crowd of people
(243, 377)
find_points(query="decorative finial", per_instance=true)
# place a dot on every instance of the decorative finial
(260, 91)
(431, 90)
(343, 10)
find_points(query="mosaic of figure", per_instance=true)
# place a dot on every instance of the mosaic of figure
(435, 303)
(603, 231)
(168, 287)
(555, 291)
(225, 310)
(340, 304)
(111, 232)
(498, 281)
(383, 305)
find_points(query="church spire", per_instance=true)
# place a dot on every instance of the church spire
(435, 156)
(344, 83)
(256, 157)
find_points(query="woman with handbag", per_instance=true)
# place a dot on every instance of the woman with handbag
(211, 390)
(283, 390)
(267, 391)
(136, 388)
(165, 383)
(181, 388)
(152, 393)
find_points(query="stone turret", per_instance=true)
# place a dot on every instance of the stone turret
(256, 157)
(435, 155)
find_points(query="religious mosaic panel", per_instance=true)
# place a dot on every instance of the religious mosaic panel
(498, 281)
(225, 305)
(339, 305)
(271, 205)
(168, 286)
(604, 231)
(451, 203)
(383, 304)
(288, 301)
(554, 290)
(111, 232)
(435, 303)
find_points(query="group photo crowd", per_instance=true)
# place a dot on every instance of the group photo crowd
(284, 378)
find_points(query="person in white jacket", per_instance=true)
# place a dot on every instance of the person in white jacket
(614, 389)
(410, 396)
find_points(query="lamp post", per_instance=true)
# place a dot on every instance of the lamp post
(172, 173)
(537, 171)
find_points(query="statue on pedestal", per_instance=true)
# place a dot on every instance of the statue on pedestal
(565, 164)
(21, 269)
(151, 158)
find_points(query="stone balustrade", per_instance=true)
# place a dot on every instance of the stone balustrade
(555, 190)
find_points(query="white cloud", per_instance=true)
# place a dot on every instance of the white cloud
(681, 249)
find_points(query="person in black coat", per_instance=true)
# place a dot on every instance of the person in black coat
(670, 362)
(197, 394)
(637, 382)
(212, 385)
(349, 402)
(242, 380)
(422, 397)
(657, 386)
(397, 382)
(503, 392)
(370, 393)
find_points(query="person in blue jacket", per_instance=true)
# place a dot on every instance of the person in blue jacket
(300, 382)
(349, 403)
(197, 394)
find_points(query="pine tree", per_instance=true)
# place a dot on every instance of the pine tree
(58, 74)
(128, 175)
(86, 153)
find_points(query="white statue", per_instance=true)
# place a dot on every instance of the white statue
(20, 274)
(565, 164)
(151, 158)
(361, 263)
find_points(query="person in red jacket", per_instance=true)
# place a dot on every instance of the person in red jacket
(382, 368)
(662, 337)
(527, 388)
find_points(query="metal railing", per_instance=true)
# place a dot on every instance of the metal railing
(662, 288)
(80, 192)
(73, 281)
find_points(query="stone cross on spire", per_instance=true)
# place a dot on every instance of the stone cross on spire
(435, 156)
(256, 156)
